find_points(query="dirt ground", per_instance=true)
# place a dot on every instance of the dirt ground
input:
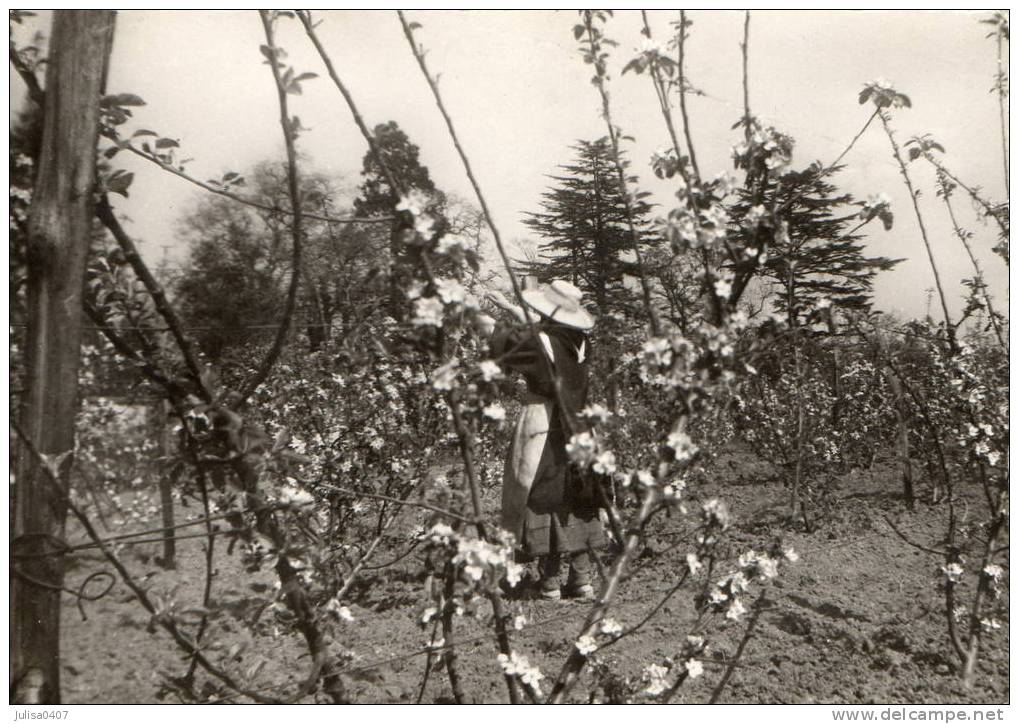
(857, 620)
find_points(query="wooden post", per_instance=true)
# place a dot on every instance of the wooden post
(59, 233)
(166, 480)
(901, 409)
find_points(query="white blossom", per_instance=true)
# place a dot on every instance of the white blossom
(450, 291)
(415, 201)
(339, 611)
(681, 443)
(953, 572)
(586, 644)
(596, 412)
(450, 243)
(427, 312)
(495, 411)
(582, 448)
(611, 627)
(518, 666)
(490, 370)
(605, 463)
(444, 377)
(655, 675)
(736, 610)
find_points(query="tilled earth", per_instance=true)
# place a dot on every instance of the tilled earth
(859, 619)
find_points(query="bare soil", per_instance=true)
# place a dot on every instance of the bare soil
(857, 620)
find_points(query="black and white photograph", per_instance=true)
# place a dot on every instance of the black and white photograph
(464, 356)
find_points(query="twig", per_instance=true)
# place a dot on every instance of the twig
(167, 623)
(759, 606)
(565, 412)
(907, 540)
(950, 329)
(998, 213)
(428, 666)
(419, 57)
(961, 235)
(203, 485)
(498, 612)
(574, 664)
(105, 213)
(449, 655)
(174, 390)
(35, 91)
(682, 93)
(352, 576)
(599, 81)
(309, 28)
(1000, 84)
(391, 499)
(247, 201)
(744, 48)
(296, 232)
(663, 103)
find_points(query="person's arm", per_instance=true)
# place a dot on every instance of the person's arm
(500, 301)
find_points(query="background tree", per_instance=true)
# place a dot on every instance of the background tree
(820, 257)
(376, 198)
(23, 154)
(402, 158)
(232, 286)
(232, 280)
(584, 224)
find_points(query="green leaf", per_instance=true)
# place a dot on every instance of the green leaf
(111, 151)
(143, 132)
(266, 51)
(166, 143)
(865, 95)
(306, 76)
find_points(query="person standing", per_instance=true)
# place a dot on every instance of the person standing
(546, 504)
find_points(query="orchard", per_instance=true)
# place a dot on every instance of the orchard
(272, 472)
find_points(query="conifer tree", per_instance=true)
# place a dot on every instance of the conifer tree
(585, 227)
(821, 257)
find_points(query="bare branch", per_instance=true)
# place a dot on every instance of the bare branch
(296, 232)
(35, 91)
(247, 201)
(105, 214)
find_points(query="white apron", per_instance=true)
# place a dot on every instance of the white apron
(524, 458)
(523, 461)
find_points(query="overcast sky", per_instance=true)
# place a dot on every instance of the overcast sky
(520, 95)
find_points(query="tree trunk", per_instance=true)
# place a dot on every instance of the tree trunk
(59, 226)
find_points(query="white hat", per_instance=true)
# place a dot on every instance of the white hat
(560, 302)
